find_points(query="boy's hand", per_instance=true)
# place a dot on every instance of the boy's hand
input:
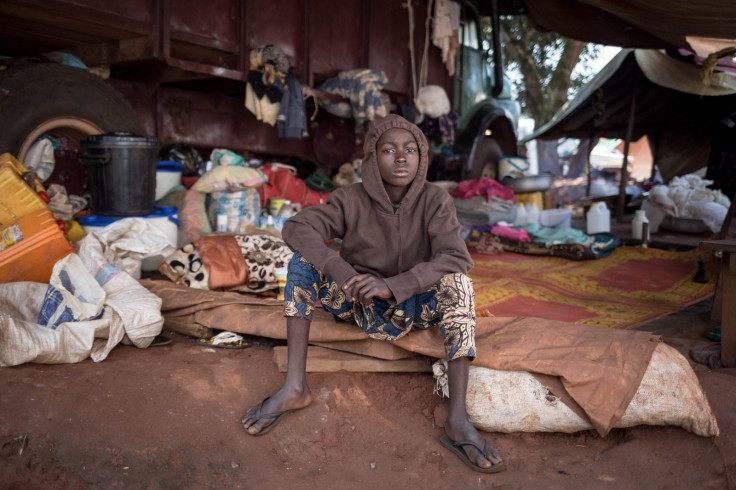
(364, 287)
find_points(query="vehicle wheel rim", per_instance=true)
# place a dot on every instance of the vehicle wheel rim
(72, 128)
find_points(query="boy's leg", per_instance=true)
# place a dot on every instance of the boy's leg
(457, 426)
(300, 293)
(295, 393)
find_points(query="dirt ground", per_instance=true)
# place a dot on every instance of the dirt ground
(169, 417)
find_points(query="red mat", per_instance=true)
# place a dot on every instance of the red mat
(625, 289)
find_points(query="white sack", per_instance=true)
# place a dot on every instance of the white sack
(126, 242)
(131, 313)
(515, 401)
(23, 340)
(81, 297)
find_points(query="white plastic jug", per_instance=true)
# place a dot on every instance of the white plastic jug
(532, 213)
(598, 218)
(640, 226)
(520, 215)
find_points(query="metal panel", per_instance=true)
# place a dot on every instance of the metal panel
(279, 22)
(216, 121)
(335, 37)
(214, 23)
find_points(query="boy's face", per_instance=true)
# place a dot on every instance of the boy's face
(398, 157)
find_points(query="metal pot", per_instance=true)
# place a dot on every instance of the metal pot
(531, 183)
(694, 226)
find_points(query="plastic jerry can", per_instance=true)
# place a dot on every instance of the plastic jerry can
(598, 219)
(532, 214)
(30, 248)
(520, 215)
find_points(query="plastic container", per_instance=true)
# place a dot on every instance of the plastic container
(555, 218)
(121, 171)
(513, 166)
(520, 215)
(640, 226)
(168, 176)
(532, 213)
(31, 248)
(165, 218)
(598, 218)
(240, 208)
(17, 199)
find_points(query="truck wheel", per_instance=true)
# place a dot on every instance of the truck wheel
(485, 162)
(489, 136)
(61, 101)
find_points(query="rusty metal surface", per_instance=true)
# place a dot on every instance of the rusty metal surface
(168, 57)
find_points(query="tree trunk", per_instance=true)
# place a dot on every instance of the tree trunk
(579, 159)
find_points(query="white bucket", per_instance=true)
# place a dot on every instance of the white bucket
(555, 218)
(168, 176)
(598, 219)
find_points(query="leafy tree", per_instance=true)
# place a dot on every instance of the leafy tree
(546, 63)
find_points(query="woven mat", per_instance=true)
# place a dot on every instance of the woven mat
(627, 288)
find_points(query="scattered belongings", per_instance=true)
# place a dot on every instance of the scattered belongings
(225, 340)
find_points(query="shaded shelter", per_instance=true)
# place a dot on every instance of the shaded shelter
(647, 24)
(648, 93)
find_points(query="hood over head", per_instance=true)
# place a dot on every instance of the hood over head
(370, 173)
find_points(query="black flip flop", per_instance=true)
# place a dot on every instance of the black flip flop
(260, 416)
(456, 447)
(160, 340)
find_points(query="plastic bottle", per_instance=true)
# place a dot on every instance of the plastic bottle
(520, 215)
(598, 218)
(532, 213)
(222, 223)
(638, 228)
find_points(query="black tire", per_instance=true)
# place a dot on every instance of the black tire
(46, 98)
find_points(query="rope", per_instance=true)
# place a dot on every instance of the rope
(711, 61)
(423, 68)
(410, 12)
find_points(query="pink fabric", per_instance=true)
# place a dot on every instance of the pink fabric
(511, 233)
(485, 187)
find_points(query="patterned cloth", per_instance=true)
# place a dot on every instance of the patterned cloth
(363, 87)
(449, 304)
(185, 266)
(263, 253)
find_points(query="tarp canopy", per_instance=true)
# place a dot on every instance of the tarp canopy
(648, 24)
(672, 107)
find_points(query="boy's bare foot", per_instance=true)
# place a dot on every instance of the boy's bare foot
(259, 418)
(464, 431)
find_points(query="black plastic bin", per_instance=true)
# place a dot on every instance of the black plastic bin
(121, 171)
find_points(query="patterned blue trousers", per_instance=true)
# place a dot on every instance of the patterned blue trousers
(449, 304)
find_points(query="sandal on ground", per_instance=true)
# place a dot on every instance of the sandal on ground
(456, 447)
(160, 340)
(261, 416)
(702, 354)
(225, 340)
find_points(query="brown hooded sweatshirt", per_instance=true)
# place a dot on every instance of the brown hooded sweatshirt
(410, 246)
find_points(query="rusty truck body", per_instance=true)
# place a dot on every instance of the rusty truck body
(177, 70)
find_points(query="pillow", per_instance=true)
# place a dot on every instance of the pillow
(515, 401)
(223, 260)
(225, 178)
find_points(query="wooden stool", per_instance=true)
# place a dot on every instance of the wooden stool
(724, 301)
